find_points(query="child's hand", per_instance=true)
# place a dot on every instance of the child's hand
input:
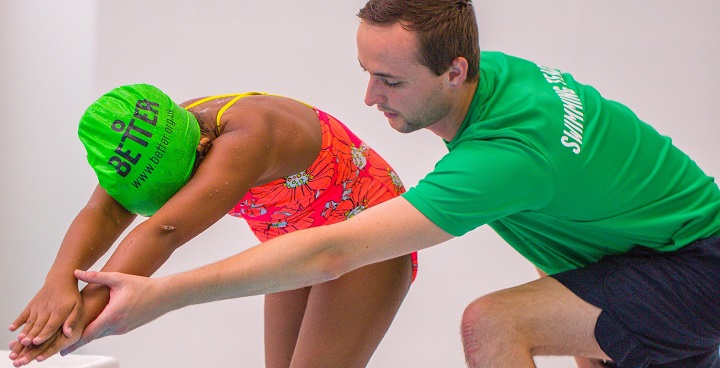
(94, 298)
(22, 355)
(56, 305)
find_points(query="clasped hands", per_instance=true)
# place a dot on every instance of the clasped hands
(62, 319)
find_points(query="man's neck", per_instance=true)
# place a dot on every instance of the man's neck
(448, 127)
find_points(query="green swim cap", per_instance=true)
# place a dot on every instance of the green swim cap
(141, 145)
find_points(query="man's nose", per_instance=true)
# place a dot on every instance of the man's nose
(372, 96)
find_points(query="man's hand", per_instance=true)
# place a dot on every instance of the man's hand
(132, 304)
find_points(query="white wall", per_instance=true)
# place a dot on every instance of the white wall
(57, 57)
(46, 79)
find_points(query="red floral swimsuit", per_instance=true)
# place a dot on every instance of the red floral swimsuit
(346, 178)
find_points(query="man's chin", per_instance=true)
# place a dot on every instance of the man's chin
(402, 127)
(398, 123)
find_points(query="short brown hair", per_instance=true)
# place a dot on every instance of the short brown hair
(446, 29)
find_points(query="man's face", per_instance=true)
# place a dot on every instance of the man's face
(410, 95)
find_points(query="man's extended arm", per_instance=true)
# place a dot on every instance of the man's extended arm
(292, 261)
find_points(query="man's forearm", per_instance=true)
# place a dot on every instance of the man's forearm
(308, 257)
(266, 268)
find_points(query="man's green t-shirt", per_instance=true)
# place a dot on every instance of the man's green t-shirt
(562, 174)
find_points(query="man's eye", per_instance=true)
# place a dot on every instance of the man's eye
(390, 84)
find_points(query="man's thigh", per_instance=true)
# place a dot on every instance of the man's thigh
(542, 317)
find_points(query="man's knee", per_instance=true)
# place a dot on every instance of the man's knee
(493, 332)
(485, 322)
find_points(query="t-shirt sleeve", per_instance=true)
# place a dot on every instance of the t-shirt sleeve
(482, 181)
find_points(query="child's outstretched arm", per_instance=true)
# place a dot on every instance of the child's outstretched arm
(237, 160)
(58, 304)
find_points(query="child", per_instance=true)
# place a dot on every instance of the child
(278, 163)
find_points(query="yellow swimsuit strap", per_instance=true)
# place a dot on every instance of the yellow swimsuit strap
(236, 97)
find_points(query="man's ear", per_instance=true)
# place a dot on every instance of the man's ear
(458, 71)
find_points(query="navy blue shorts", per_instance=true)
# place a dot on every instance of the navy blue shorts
(659, 309)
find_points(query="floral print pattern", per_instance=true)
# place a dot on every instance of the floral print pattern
(346, 178)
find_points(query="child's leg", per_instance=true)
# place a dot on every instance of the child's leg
(283, 316)
(345, 319)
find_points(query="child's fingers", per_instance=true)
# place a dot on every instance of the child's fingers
(22, 355)
(11, 347)
(52, 325)
(15, 349)
(51, 347)
(28, 354)
(92, 331)
(23, 336)
(20, 320)
(40, 324)
(72, 321)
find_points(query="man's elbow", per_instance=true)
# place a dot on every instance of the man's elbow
(335, 264)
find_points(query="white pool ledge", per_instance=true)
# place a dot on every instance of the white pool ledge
(70, 361)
